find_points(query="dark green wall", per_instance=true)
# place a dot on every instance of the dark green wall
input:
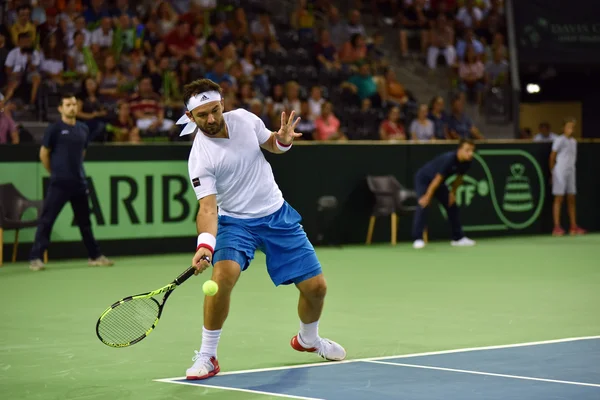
(310, 171)
(340, 170)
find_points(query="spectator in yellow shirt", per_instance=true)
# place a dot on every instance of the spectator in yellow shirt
(23, 24)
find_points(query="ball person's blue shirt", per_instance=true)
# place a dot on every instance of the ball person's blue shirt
(67, 144)
(445, 164)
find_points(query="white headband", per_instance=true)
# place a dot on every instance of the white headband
(195, 102)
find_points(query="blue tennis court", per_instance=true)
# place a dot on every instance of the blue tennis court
(559, 369)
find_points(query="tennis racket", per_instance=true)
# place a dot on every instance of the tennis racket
(131, 319)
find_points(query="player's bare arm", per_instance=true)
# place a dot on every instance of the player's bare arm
(206, 222)
(426, 198)
(282, 139)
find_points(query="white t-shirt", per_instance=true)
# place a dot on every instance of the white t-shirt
(18, 60)
(235, 169)
(464, 16)
(566, 153)
(102, 39)
(541, 138)
(315, 107)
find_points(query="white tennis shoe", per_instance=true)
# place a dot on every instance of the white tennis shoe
(328, 349)
(418, 244)
(203, 367)
(464, 242)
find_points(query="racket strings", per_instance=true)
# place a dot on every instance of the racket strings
(129, 320)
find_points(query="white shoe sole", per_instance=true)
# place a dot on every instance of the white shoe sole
(456, 244)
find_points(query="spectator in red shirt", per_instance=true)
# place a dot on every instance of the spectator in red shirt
(148, 111)
(392, 128)
(443, 5)
(181, 42)
(123, 127)
(354, 50)
(51, 27)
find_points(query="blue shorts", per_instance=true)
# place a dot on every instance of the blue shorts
(291, 258)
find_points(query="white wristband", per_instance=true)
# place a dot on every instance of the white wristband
(206, 240)
(283, 147)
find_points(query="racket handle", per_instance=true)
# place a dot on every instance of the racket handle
(185, 276)
(188, 273)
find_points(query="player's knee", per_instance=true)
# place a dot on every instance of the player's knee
(317, 287)
(226, 274)
(558, 199)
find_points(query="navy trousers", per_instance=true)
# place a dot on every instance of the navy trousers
(442, 194)
(57, 196)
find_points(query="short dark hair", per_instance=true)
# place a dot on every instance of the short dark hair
(24, 7)
(464, 141)
(455, 99)
(66, 95)
(199, 86)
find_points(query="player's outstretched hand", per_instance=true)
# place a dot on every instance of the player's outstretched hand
(199, 260)
(286, 134)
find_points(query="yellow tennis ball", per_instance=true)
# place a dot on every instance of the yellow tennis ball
(210, 288)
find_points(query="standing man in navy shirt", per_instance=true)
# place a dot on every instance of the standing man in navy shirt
(429, 182)
(62, 152)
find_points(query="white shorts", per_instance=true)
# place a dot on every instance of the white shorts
(563, 182)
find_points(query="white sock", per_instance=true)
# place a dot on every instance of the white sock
(309, 333)
(210, 341)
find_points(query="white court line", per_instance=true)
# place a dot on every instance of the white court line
(288, 396)
(465, 371)
(431, 353)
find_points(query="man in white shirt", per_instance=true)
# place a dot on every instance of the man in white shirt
(545, 134)
(470, 15)
(102, 37)
(22, 64)
(315, 101)
(81, 27)
(563, 159)
(242, 210)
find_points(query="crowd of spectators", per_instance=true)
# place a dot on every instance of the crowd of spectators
(127, 61)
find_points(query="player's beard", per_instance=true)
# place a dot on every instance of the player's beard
(214, 128)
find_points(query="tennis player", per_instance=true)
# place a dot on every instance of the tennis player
(429, 183)
(562, 164)
(242, 210)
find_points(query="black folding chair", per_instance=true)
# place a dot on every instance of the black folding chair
(391, 199)
(327, 233)
(12, 207)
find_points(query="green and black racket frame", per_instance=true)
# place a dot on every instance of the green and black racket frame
(133, 318)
